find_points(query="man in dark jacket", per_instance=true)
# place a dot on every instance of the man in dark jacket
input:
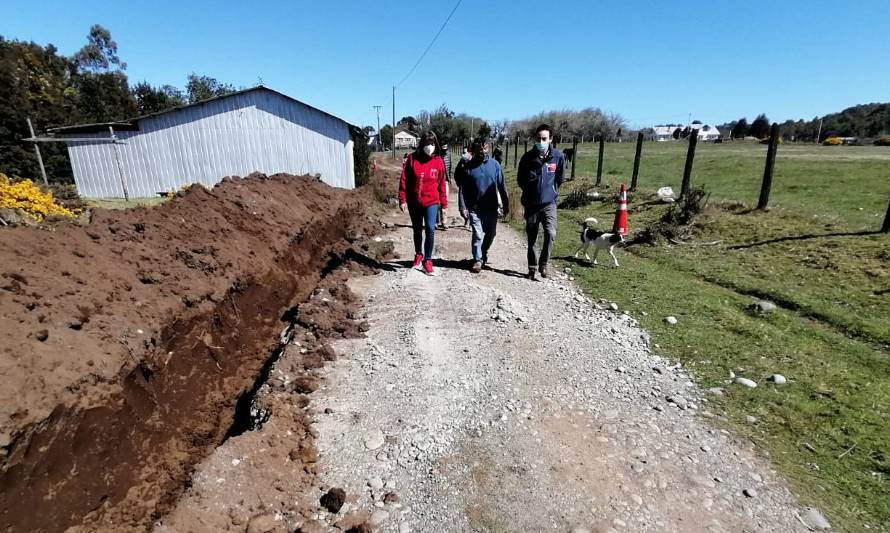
(481, 180)
(540, 176)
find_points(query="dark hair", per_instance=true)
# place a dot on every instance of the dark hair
(477, 142)
(543, 127)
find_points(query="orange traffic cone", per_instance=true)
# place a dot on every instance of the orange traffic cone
(620, 225)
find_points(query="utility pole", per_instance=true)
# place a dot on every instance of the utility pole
(393, 121)
(379, 140)
(37, 151)
(819, 133)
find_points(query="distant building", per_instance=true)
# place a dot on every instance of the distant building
(666, 133)
(254, 130)
(406, 139)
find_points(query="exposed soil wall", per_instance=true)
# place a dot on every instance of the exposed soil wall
(126, 344)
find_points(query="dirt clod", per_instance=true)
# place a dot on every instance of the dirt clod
(333, 500)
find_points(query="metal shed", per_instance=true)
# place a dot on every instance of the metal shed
(253, 130)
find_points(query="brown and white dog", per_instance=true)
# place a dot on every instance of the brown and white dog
(600, 240)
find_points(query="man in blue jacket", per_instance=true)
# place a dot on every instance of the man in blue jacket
(540, 176)
(481, 179)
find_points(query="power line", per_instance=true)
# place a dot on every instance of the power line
(430, 45)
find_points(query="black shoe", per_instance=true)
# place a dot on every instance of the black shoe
(543, 270)
(532, 274)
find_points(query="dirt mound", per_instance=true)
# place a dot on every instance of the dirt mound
(126, 344)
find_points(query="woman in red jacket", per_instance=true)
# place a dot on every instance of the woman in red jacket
(421, 192)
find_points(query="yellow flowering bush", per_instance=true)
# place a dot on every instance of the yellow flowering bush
(29, 198)
(832, 141)
(883, 140)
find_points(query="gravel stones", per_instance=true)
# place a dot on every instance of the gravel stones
(333, 500)
(373, 439)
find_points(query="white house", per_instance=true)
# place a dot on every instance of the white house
(253, 130)
(706, 132)
(406, 139)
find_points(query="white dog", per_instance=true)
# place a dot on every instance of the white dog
(601, 240)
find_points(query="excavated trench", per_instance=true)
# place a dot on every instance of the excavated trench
(183, 328)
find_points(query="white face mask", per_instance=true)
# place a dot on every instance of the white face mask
(542, 146)
(429, 149)
(466, 156)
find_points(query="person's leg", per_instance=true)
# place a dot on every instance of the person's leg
(430, 226)
(489, 229)
(531, 231)
(478, 232)
(416, 214)
(548, 219)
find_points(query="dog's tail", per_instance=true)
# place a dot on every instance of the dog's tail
(590, 222)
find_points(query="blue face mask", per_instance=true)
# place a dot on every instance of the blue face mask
(542, 146)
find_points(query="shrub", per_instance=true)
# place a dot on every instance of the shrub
(833, 141)
(27, 197)
(883, 140)
(361, 153)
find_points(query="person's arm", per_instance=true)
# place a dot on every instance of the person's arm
(502, 189)
(523, 177)
(458, 179)
(560, 165)
(443, 189)
(403, 193)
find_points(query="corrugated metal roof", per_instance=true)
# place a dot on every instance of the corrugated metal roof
(133, 123)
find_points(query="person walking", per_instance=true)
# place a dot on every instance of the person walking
(539, 176)
(422, 192)
(465, 157)
(482, 181)
(446, 160)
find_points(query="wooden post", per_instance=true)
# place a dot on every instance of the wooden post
(690, 157)
(574, 155)
(37, 152)
(117, 158)
(515, 151)
(599, 163)
(633, 179)
(768, 169)
(886, 226)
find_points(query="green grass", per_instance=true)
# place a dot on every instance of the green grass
(120, 203)
(831, 337)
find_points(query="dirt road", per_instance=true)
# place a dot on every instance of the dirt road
(491, 403)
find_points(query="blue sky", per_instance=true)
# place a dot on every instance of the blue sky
(650, 61)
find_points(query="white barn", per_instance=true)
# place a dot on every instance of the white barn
(406, 139)
(253, 130)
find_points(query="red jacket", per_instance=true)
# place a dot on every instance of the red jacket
(423, 182)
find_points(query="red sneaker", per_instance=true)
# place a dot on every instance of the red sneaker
(417, 260)
(428, 267)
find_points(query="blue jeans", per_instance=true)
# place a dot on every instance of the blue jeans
(485, 227)
(424, 218)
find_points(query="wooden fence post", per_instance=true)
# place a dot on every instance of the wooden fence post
(633, 180)
(690, 156)
(768, 169)
(599, 162)
(515, 151)
(886, 226)
(574, 155)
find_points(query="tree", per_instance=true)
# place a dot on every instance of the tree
(386, 136)
(201, 88)
(152, 100)
(740, 130)
(100, 52)
(760, 127)
(368, 130)
(409, 123)
(484, 131)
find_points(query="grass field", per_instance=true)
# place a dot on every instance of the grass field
(815, 253)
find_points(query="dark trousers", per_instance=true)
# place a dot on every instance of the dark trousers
(541, 216)
(424, 219)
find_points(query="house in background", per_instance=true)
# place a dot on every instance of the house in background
(253, 130)
(705, 132)
(664, 133)
(406, 139)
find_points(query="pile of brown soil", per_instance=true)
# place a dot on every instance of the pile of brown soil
(126, 344)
